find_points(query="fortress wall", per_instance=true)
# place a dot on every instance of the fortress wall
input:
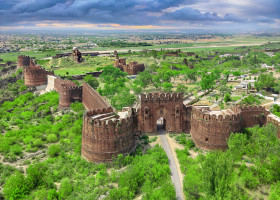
(104, 139)
(60, 83)
(271, 118)
(23, 61)
(211, 131)
(34, 75)
(50, 85)
(133, 68)
(168, 106)
(68, 91)
(92, 100)
(254, 115)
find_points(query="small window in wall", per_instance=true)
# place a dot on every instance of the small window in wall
(146, 112)
(161, 111)
(206, 139)
(177, 111)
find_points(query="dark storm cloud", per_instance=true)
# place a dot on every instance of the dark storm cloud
(267, 8)
(138, 12)
(189, 14)
(94, 11)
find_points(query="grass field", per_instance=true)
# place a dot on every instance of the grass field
(221, 44)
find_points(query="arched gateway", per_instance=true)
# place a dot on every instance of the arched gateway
(168, 106)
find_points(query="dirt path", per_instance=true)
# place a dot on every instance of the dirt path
(172, 164)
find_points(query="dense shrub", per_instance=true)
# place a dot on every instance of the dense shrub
(54, 150)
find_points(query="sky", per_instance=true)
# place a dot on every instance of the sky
(229, 15)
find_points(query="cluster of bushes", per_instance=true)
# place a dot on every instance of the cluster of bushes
(251, 100)
(30, 122)
(121, 44)
(147, 174)
(250, 162)
(115, 87)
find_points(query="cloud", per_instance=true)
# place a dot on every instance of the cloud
(141, 13)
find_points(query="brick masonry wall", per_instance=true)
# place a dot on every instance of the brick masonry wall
(68, 91)
(254, 115)
(104, 139)
(23, 61)
(34, 75)
(133, 68)
(211, 131)
(168, 106)
(271, 118)
(92, 99)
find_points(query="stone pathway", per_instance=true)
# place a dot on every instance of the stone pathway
(174, 172)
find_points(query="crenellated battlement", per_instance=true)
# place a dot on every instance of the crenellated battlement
(34, 75)
(162, 97)
(132, 68)
(23, 60)
(105, 135)
(72, 87)
(211, 129)
(221, 116)
(99, 111)
(36, 70)
(68, 92)
(253, 108)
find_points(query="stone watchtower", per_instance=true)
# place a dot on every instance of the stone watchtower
(77, 55)
(24, 61)
(34, 75)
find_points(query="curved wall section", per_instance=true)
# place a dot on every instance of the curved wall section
(105, 136)
(211, 131)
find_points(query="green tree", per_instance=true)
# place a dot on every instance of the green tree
(16, 187)
(227, 97)
(54, 150)
(123, 99)
(224, 89)
(207, 81)
(167, 87)
(65, 189)
(144, 79)
(182, 88)
(92, 81)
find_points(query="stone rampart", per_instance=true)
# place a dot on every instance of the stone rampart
(105, 135)
(24, 61)
(92, 99)
(211, 129)
(35, 75)
(168, 106)
(132, 68)
(254, 115)
(68, 91)
(271, 118)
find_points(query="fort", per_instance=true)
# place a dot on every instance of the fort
(34, 75)
(132, 68)
(107, 133)
(61, 55)
(77, 55)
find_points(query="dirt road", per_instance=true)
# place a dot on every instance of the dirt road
(174, 172)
